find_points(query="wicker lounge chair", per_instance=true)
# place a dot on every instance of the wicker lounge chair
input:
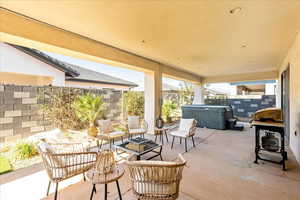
(135, 126)
(157, 180)
(63, 161)
(187, 128)
(108, 133)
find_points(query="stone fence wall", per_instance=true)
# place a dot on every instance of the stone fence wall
(21, 114)
(244, 108)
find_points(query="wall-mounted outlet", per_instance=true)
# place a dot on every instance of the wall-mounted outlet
(296, 133)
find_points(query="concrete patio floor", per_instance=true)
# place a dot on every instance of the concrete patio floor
(220, 167)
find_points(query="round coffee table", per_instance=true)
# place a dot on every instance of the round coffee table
(96, 178)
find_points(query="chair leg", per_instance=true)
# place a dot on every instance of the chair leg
(193, 141)
(119, 191)
(185, 145)
(105, 191)
(84, 179)
(172, 142)
(101, 144)
(93, 190)
(180, 140)
(110, 144)
(166, 136)
(56, 189)
(48, 189)
(155, 138)
(122, 139)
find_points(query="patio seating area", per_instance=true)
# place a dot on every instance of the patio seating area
(150, 100)
(219, 167)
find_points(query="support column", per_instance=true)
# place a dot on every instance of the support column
(198, 94)
(153, 97)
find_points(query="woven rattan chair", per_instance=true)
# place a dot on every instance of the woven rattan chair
(63, 161)
(156, 179)
(136, 126)
(187, 129)
(108, 133)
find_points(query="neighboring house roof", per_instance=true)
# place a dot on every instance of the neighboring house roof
(213, 91)
(167, 87)
(73, 72)
(62, 66)
(86, 75)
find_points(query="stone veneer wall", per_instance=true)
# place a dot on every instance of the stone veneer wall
(244, 108)
(21, 115)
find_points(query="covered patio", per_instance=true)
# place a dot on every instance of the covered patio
(220, 167)
(200, 42)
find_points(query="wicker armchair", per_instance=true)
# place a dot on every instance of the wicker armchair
(157, 180)
(108, 133)
(187, 128)
(63, 161)
(136, 126)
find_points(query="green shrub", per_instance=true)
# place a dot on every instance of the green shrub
(134, 103)
(59, 110)
(168, 109)
(24, 150)
(89, 107)
(4, 165)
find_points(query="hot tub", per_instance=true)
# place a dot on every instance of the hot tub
(209, 116)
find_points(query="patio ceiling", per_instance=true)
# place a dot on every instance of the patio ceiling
(201, 37)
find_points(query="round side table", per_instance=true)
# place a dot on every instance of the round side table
(161, 132)
(96, 178)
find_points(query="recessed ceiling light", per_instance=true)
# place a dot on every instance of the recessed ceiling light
(243, 46)
(143, 41)
(235, 10)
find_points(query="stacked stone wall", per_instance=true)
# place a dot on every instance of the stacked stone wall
(21, 114)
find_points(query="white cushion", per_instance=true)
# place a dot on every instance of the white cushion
(116, 134)
(133, 122)
(137, 131)
(186, 124)
(46, 147)
(180, 133)
(105, 126)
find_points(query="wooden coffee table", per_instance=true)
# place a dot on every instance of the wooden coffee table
(149, 146)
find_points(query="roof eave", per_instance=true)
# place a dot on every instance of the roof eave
(100, 82)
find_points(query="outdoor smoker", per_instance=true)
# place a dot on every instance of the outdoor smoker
(269, 121)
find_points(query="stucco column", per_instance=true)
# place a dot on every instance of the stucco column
(153, 97)
(198, 94)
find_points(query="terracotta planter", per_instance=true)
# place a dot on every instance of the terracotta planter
(92, 130)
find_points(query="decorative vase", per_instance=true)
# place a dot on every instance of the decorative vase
(92, 130)
(159, 122)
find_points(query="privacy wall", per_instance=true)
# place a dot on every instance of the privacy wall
(244, 108)
(21, 114)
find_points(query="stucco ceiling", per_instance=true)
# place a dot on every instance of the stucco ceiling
(201, 36)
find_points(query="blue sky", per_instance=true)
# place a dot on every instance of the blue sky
(126, 74)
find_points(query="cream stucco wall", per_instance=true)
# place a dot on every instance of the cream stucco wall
(293, 59)
(15, 61)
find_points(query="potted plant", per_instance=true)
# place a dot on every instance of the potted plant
(88, 108)
(168, 109)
